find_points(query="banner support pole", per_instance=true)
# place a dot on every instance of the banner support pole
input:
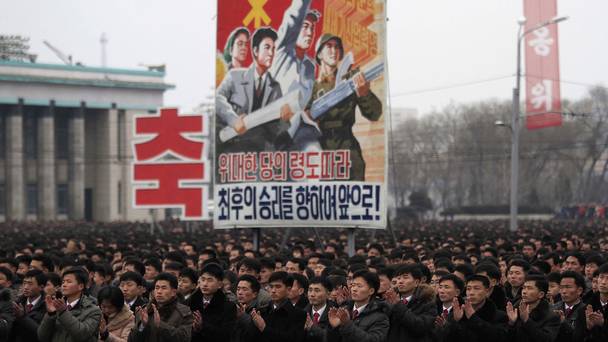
(351, 242)
(257, 233)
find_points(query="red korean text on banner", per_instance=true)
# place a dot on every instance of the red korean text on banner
(543, 98)
(170, 169)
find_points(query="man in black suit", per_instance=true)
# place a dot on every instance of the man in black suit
(30, 307)
(132, 287)
(317, 322)
(214, 315)
(280, 321)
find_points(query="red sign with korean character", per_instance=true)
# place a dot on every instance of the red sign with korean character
(170, 163)
(543, 98)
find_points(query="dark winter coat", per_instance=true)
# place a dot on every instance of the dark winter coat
(569, 325)
(542, 325)
(486, 324)
(371, 325)
(219, 317)
(414, 321)
(175, 325)
(25, 328)
(318, 332)
(283, 324)
(7, 317)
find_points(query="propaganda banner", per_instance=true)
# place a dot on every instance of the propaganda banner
(170, 166)
(300, 113)
(543, 98)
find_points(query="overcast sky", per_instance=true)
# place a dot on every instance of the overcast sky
(435, 46)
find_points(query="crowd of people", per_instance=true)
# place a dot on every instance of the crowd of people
(433, 281)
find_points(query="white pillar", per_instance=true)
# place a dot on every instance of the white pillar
(14, 164)
(46, 164)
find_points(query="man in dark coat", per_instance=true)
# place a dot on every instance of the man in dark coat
(247, 290)
(592, 324)
(572, 287)
(497, 292)
(280, 321)
(214, 315)
(361, 319)
(516, 274)
(163, 319)
(7, 317)
(533, 320)
(477, 319)
(412, 310)
(317, 321)
(29, 308)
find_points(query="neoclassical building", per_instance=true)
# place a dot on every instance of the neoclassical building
(65, 140)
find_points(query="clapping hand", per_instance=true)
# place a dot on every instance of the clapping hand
(258, 320)
(511, 313)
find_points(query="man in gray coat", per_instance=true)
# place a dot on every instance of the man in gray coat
(243, 91)
(74, 319)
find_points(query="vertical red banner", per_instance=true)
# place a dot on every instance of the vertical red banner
(543, 98)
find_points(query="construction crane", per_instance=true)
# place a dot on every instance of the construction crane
(67, 59)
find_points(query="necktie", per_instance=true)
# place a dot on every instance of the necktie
(205, 304)
(69, 307)
(568, 312)
(404, 301)
(28, 308)
(445, 313)
(315, 317)
(355, 314)
(258, 88)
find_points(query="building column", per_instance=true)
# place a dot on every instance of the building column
(76, 141)
(15, 189)
(47, 188)
(106, 183)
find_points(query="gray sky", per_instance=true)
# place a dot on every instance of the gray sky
(432, 44)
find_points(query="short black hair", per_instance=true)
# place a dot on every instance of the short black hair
(168, 277)
(214, 270)
(554, 277)
(594, 259)
(482, 279)
(154, 262)
(454, 279)
(410, 269)
(174, 266)
(112, 294)
(260, 34)
(8, 273)
(176, 256)
(540, 281)
(520, 263)
(300, 262)
(337, 281)
(82, 277)
(251, 264)
(283, 277)
(302, 281)
(444, 263)
(54, 278)
(323, 281)
(578, 256)
(579, 280)
(253, 282)
(465, 269)
(137, 265)
(40, 277)
(267, 262)
(603, 269)
(389, 272)
(132, 276)
(189, 273)
(491, 270)
(46, 261)
(370, 278)
(378, 247)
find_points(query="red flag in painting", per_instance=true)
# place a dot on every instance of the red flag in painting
(543, 98)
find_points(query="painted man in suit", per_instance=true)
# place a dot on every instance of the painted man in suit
(244, 91)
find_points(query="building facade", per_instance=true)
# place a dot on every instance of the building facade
(65, 140)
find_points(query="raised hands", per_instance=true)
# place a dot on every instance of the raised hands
(334, 317)
(258, 320)
(593, 318)
(343, 294)
(457, 309)
(391, 297)
(197, 321)
(511, 313)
